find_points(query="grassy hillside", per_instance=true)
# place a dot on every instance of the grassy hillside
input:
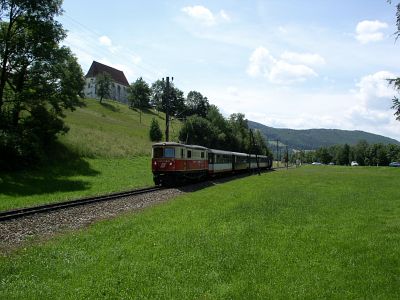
(107, 149)
(112, 130)
(307, 233)
(315, 138)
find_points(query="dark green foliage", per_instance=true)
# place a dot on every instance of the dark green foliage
(198, 131)
(396, 103)
(396, 81)
(171, 98)
(139, 94)
(155, 131)
(363, 153)
(323, 155)
(217, 132)
(197, 104)
(103, 85)
(38, 79)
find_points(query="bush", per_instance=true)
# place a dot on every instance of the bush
(155, 131)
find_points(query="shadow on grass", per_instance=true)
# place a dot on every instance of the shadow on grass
(50, 176)
(109, 106)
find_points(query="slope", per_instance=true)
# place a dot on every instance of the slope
(315, 138)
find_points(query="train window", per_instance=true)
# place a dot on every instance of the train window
(189, 154)
(202, 154)
(158, 152)
(182, 154)
(169, 152)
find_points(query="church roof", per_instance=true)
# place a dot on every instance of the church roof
(97, 68)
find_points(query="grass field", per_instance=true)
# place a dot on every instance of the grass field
(73, 179)
(107, 149)
(311, 232)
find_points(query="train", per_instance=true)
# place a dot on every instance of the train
(176, 163)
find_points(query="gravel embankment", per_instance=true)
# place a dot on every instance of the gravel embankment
(14, 233)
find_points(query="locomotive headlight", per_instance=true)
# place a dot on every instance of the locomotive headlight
(171, 163)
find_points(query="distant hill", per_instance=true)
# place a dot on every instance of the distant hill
(310, 139)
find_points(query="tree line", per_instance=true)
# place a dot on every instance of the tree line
(203, 124)
(363, 153)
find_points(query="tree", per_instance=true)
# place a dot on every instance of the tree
(198, 131)
(360, 152)
(38, 78)
(197, 104)
(344, 155)
(240, 130)
(139, 94)
(396, 81)
(103, 85)
(163, 98)
(155, 131)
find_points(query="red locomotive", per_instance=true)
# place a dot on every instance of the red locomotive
(174, 163)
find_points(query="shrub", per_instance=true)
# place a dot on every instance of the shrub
(155, 131)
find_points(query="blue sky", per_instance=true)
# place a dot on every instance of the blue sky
(290, 64)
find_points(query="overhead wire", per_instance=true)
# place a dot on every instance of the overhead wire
(122, 54)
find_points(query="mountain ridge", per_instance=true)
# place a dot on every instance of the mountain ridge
(311, 139)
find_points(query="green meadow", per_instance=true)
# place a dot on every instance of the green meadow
(311, 232)
(107, 149)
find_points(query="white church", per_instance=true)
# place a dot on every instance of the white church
(119, 87)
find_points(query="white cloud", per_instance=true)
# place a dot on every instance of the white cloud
(370, 31)
(292, 67)
(260, 61)
(284, 72)
(375, 91)
(224, 15)
(205, 16)
(303, 58)
(105, 41)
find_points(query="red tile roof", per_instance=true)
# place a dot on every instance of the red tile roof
(97, 68)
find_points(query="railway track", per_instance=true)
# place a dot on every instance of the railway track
(23, 212)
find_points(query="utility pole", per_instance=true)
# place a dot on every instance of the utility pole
(277, 153)
(166, 95)
(287, 158)
(254, 148)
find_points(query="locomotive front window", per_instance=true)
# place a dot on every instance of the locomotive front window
(169, 152)
(158, 152)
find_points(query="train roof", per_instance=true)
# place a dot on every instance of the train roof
(227, 152)
(173, 144)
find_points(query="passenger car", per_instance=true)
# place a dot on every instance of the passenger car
(394, 164)
(354, 163)
(175, 163)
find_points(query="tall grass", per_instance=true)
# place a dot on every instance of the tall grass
(326, 232)
(112, 130)
(107, 149)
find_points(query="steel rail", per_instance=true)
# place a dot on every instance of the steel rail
(22, 212)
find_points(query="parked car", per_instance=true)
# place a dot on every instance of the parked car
(354, 163)
(331, 163)
(394, 164)
(315, 163)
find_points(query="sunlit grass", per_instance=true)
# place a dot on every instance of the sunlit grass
(311, 232)
(107, 149)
